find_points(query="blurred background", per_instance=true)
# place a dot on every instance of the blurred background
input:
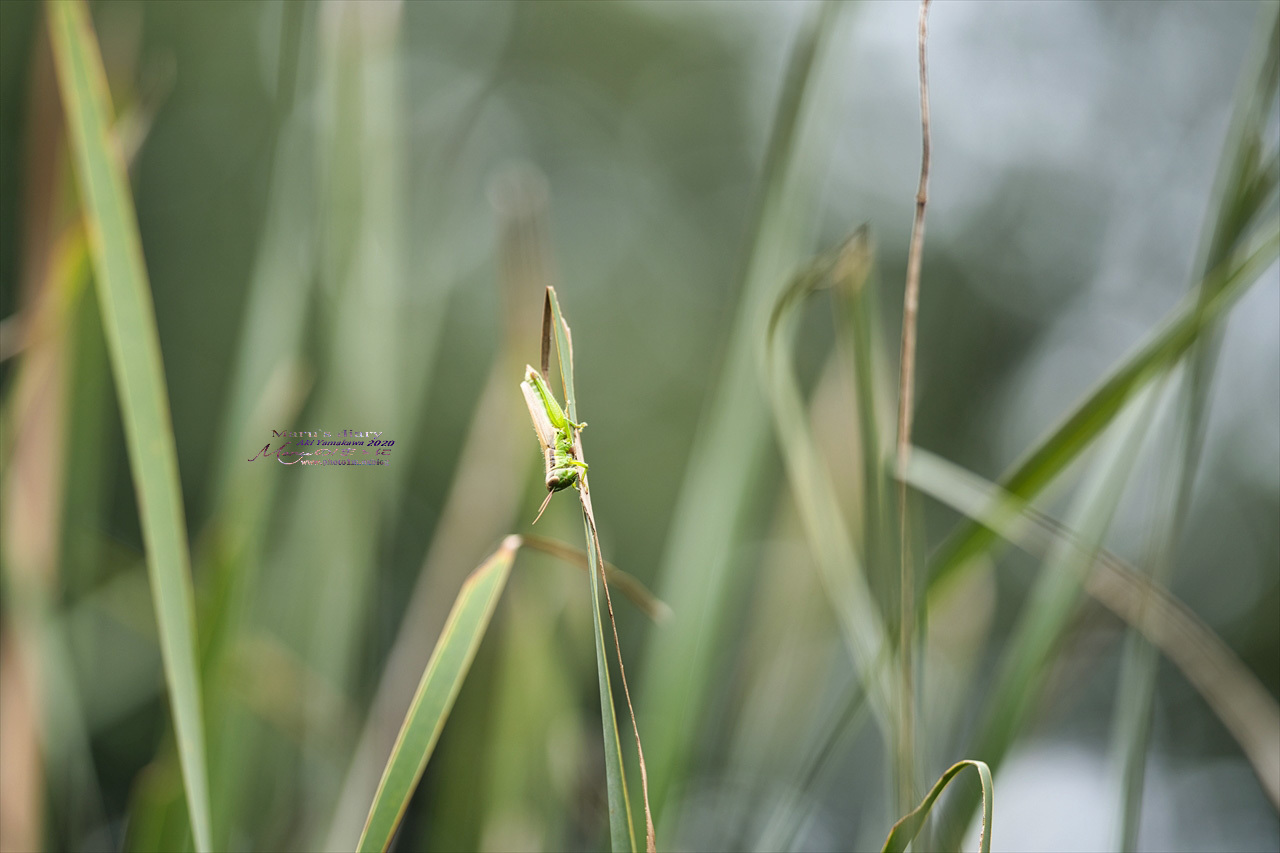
(348, 213)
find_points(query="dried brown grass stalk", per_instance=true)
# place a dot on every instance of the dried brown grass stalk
(906, 389)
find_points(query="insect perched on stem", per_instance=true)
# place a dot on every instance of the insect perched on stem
(555, 434)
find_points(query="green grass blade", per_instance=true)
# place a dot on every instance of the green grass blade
(906, 828)
(716, 496)
(621, 826)
(124, 296)
(840, 569)
(622, 833)
(437, 690)
(860, 346)
(1229, 281)
(1229, 688)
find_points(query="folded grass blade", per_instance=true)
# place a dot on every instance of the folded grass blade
(436, 693)
(859, 345)
(622, 834)
(906, 828)
(133, 343)
(835, 555)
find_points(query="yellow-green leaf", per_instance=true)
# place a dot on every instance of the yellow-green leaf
(436, 693)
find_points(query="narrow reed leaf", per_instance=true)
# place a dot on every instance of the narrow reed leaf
(1229, 688)
(128, 316)
(907, 828)
(441, 681)
(1228, 282)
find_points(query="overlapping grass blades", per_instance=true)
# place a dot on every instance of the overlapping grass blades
(1245, 184)
(134, 347)
(909, 826)
(1228, 281)
(1230, 689)
(1046, 615)
(436, 693)
(717, 491)
(1249, 250)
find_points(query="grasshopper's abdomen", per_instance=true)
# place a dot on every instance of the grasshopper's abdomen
(561, 472)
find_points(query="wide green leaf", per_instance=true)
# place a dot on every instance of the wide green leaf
(441, 681)
(133, 344)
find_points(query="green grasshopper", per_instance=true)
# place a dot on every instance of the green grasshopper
(555, 433)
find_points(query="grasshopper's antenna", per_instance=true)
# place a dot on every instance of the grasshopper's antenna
(543, 507)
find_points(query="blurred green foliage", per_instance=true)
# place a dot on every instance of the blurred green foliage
(348, 212)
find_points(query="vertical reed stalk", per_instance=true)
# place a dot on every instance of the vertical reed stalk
(906, 385)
